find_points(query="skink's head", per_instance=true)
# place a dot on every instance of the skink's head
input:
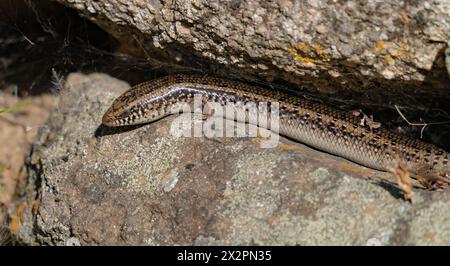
(126, 110)
(117, 116)
(135, 107)
(112, 118)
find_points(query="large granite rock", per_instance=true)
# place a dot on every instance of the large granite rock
(147, 186)
(375, 46)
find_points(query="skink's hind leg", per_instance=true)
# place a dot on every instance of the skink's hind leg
(441, 185)
(433, 181)
(429, 178)
(404, 180)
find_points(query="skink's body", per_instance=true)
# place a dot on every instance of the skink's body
(317, 125)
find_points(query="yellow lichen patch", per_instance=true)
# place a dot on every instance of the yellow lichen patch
(321, 52)
(303, 47)
(402, 51)
(258, 139)
(379, 46)
(36, 206)
(304, 59)
(352, 168)
(306, 53)
(391, 51)
(290, 147)
(388, 59)
(17, 218)
(292, 49)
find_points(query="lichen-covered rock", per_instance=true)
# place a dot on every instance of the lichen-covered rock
(149, 186)
(20, 121)
(375, 45)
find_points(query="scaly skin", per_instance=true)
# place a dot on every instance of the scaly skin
(314, 124)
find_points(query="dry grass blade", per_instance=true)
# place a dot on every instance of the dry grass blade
(423, 125)
(14, 107)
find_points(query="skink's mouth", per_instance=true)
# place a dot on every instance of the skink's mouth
(108, 120)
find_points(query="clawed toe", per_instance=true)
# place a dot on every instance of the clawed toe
(441, 182)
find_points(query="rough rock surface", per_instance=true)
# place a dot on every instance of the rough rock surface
(20, 121)
(375, 46)
(93, 186)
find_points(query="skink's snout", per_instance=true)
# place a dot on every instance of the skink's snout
(109, 119)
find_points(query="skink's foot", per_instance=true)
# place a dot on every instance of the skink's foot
(403, 179)
(438, 182)
(432, 180)
(439, 185)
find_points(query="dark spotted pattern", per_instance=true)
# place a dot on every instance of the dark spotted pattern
(315, 124)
